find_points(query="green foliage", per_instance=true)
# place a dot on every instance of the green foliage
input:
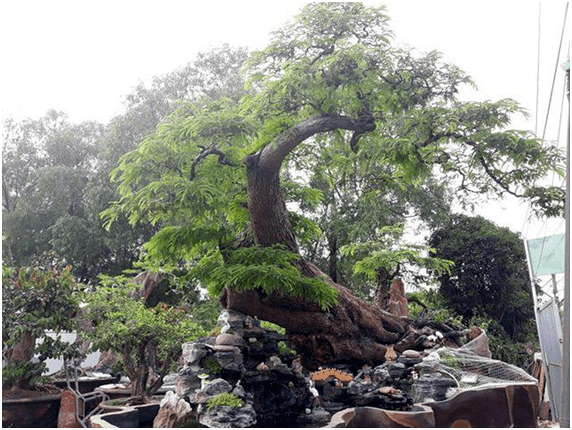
(35, 300)
(384, 254)
(435, 307)
(122, 324)
(212, 365)
(271, 326)
(225, 399)
(503, 347)
(489, 277)
(284, 349)
(272, 269)
(451, 361)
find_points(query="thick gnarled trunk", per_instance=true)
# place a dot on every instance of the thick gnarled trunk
(353, 331)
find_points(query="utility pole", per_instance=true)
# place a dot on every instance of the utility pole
(565, 399)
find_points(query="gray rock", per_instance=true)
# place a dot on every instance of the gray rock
(192, 354)
(227, 417)
(216, 387)
(318, 417)
(410, 353)
(230, 358)
(187, 382)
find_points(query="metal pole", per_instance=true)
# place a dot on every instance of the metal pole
(565, 408)
(555, 289)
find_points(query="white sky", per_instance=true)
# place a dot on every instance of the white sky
(82, 57)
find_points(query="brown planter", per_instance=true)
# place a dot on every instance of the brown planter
(41, 411)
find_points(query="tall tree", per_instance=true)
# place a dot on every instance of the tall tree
(213, 170)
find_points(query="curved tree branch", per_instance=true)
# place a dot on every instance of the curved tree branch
(271, 157)
(222, 159)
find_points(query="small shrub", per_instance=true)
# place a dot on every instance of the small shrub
(212, 365)
(225, 399)
(274, 327)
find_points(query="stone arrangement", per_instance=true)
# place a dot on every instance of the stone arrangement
(242, 378)
(243, 367)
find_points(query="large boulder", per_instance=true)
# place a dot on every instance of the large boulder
(499, 405)
(174, 412)
(418, 417)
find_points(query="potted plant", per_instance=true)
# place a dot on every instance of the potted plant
(34, 300)
(148, 339)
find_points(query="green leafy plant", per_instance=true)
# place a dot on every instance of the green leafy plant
(270, 269)
(142, 335)
(271, 326)
(225, 399)
(451, 361)
(36, 300)
(212, 365)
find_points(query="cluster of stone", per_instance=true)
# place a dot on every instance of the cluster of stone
(244, 361)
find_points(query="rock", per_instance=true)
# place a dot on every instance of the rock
(227, 417)
(238, 391)
(410, 353)
(230, 358)
(317, 417)
(409, 361)
(234, 319)
(397, 304)
(187, 381)
(510, 405)
(479, 344)
(216, 387)
(431, 386)
(262, 367)
(173, 412)
(228, 339)
(389, 390)
(419, 416)
(192, 354)
(381, 375)
(397, 370)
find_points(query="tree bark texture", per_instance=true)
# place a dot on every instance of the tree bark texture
(353, 331)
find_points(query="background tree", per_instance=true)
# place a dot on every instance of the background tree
(56, 181)
(489, 277)
(47, 166)
(213, 169)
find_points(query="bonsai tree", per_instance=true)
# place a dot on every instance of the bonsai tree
(148, 339)
(217, 177)
(35, 300)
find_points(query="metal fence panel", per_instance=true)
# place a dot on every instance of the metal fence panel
(550, 333)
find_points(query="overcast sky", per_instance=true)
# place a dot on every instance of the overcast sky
(83, 57)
